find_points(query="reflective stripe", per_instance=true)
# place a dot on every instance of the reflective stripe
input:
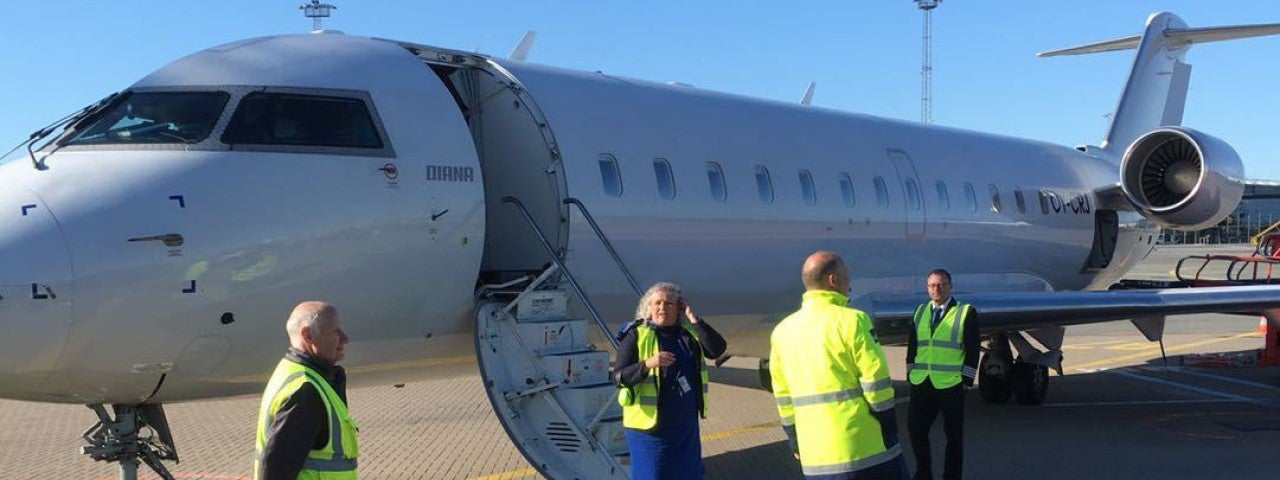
(855, 465)
(329, 465)
(788, 421)
(942, 368)
(268, 419)
(969, 371)
(783, 401)
(875, 385)
(335, 423)
(830, 397)
(882, 405)
(951, 345)
(647, 401)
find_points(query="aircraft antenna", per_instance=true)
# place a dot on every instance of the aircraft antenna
(926, 64)
(316, 11)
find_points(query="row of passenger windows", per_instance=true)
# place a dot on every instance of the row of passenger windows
(611, 178)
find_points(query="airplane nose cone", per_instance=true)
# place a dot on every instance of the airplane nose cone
(35, 292)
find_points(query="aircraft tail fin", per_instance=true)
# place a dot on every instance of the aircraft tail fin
(1156, 91)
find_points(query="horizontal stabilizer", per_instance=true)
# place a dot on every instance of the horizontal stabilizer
(1177, 38)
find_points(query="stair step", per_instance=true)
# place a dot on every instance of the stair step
(542, 305)
(576, 368)
(556, 337)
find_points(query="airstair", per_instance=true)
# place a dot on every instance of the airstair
(548, 383)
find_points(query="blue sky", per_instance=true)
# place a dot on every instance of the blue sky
(864, 55)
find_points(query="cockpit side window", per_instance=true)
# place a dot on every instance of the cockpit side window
(290, 119)
(153, 118)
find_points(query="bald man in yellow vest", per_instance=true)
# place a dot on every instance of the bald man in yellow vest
(304, 429)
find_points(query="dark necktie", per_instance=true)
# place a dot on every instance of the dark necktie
(937, 317)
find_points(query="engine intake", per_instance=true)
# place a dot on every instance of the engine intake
(1182, 178)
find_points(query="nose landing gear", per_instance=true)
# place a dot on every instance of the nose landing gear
(118, 440)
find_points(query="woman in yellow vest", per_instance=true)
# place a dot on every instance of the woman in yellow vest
(663, 385)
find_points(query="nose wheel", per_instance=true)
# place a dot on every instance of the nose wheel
(118, 440)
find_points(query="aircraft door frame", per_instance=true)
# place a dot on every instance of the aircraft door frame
(913, 218)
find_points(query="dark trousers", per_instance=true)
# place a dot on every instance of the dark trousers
(926, 402)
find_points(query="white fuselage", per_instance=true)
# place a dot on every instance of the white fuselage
(400, 251)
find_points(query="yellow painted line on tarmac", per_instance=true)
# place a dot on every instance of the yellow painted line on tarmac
(409, 364)
(713, 436)
(509, 474)
(376, 367)
(1112, 361)
(1090, 345)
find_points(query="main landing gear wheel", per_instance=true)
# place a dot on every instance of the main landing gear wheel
(993, 370)
(1030, 382)
(993, 379)
(766, 379)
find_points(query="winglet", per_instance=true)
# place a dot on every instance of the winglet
(808, 94)
(521, 52)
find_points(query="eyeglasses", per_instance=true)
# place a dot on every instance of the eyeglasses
(938, 285)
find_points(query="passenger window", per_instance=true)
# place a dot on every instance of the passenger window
(609, 176)
(715, 177)
(913, 194)
(1044, 201)
(970, 197)
(944, 199)
(266, 118)
(666, 182)
(1020, 200)
(846, 190)
(882, 193)
(806, 188)
(764, 184)
(995, 198)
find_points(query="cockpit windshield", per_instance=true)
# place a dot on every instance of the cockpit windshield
(153, 117)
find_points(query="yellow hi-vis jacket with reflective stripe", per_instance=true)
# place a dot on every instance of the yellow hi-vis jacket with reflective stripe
(337, 460)
(829, 375)
(939, 353)
(640, 403)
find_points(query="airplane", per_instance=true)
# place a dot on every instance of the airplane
(459, 207)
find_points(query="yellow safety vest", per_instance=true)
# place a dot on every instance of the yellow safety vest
(640, 402)
(337, 460)
(829, 376)
(939, 353)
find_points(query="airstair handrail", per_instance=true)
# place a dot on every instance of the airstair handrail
(605, 240)
(560, 264)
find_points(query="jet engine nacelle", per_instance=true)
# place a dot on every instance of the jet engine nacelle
(1181, 178)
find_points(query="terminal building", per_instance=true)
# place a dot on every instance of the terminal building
(1259, 208)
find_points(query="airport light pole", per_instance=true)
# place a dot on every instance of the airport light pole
(926, 68)
(316, 11)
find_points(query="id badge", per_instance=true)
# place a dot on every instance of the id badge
(684, 385)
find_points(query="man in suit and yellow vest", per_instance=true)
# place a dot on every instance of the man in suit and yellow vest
(942, 360)
(831, 382)
(304, 429)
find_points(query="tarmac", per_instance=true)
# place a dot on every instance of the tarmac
(1121, 411)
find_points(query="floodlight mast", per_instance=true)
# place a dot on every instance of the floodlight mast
(316, 11)
(926, 64)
